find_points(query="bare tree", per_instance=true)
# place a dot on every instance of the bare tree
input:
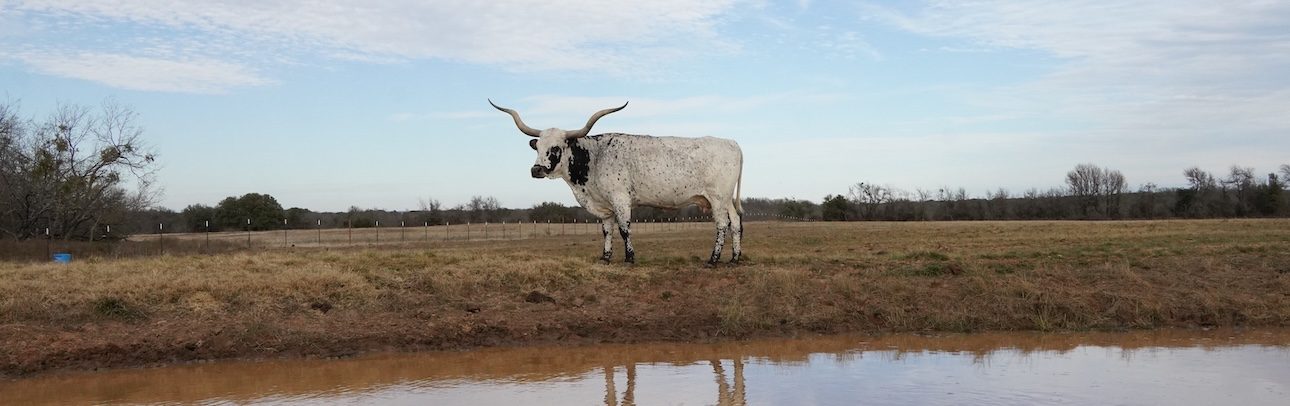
(71, 172)
(1199, 179)
(868, 198)
(1085, 183)
(1240, 188)
(483, 209)
(997, 204)
(431, 210)
(1113, 187)
(1202, 198)
(1097, 190)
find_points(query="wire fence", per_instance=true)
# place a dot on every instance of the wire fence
(214, 242)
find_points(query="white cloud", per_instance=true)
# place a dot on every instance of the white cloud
(1193, 66)
(553, 105)
(519, 35)
(143, 73)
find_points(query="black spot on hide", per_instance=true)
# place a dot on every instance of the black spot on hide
(553, 155)
(579, 163)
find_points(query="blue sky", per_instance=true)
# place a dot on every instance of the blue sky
(329, 104)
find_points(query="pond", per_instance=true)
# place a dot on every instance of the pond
(1247, 367)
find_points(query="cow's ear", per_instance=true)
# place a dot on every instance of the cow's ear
(533, 144)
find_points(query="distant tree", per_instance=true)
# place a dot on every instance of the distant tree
(483, 209)
(1202, 198)
(1098, 191)
(1240, 193)
(431, 211)
(867, 199)
(797, 209)
(1269, 196)
(358, 218)
(1085, 184)
(1113, 188)
(1146, 202)
(551, 211)
(997, 204)
(953, 204)
(298, 217)
(147, 221)
(835, 208)
(195, 217)
(262, 210)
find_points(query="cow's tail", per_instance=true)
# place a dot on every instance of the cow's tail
(739, 185)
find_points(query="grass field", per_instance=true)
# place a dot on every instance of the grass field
(235, 241)
(413, 235)
(799, 278)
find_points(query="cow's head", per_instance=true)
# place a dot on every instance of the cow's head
(551, 143)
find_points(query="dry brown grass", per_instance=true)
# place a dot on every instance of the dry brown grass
(818, 277)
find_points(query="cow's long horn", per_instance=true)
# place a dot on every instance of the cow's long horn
(587, 128)
(518, 123)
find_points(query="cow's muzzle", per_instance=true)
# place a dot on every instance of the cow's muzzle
(538, 171)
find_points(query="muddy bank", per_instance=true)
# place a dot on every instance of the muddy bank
(866, 277)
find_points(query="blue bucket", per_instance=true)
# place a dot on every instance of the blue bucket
(62, 257)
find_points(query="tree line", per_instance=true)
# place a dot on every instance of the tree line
(258, 212)
(1091, 193)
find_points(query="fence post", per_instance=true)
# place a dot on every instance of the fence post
(378, 231)
(208, 235)
(284, 233)
(161, 238)
(320, 232)
(248, 233)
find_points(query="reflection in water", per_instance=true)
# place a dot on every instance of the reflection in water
(1169, 367)
(611, 395)
(725, 395)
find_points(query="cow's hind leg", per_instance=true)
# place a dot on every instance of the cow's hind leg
(607, 224)
(736, 234)
(720, 213)
(625, 230)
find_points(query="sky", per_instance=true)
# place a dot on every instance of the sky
(327, 104)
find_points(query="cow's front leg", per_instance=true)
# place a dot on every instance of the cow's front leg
(607, 225)
(625, 230)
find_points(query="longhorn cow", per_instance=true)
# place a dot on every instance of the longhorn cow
(611, 173)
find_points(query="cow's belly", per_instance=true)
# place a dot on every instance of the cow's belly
(672, 199)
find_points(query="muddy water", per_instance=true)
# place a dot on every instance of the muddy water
(1157, 367)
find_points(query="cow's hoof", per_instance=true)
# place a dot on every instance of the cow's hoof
(710, 264)
(604, 259)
